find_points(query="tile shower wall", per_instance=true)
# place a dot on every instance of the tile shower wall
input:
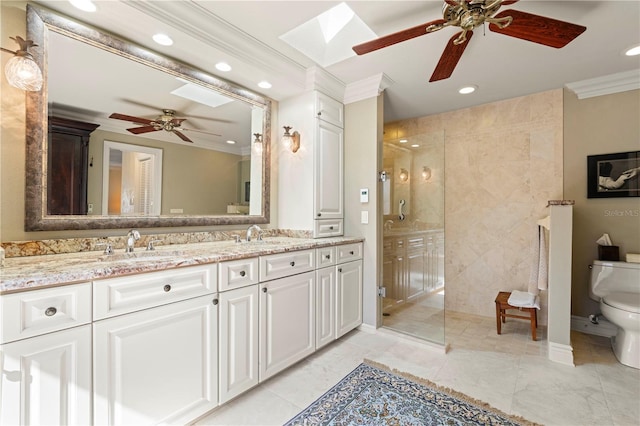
(503, 162)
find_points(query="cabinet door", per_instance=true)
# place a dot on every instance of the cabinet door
(329, 110)
(325, 306)
(329, 172)
(238, 341)
(47, 379)
(349, 297)
(158, 365)
(416, 264)
(287, 322)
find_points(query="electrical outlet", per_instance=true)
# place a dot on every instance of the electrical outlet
(90, 208)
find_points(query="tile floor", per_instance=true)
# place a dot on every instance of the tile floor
(510, 372)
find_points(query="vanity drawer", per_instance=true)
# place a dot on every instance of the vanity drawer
(117, 296)
(325, 256)
(36, 312)
(327, 228)
(285, 264)
(237, 273)
(349, 252)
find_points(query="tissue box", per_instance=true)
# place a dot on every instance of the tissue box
(609, 253)
(633, 257)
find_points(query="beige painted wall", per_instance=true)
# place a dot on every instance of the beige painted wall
(599, 125)
(503, 162)
(362, 159)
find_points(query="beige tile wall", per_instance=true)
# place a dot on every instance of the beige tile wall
(503, 162)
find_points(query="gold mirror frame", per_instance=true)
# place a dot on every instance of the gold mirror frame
(39, 22)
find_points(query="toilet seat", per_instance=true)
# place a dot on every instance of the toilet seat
(629, 302)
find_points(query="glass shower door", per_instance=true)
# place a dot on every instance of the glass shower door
(413, 235)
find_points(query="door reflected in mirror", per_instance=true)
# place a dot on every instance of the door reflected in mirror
(131, 180)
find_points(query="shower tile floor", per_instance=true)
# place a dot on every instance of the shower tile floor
(423, 318)
(510, 372)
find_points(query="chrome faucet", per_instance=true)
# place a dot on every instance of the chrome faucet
(250, 229)
(132, 237)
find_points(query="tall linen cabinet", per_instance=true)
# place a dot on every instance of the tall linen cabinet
(311, 180)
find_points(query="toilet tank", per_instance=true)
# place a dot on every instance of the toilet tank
(609, 277)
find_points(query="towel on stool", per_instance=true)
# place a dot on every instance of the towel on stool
(523, 299)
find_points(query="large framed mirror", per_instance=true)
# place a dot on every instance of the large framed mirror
(100, 90)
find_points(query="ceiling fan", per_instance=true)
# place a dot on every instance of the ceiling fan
(469, 14)
(166, 121)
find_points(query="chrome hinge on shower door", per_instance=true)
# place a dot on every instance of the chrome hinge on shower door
(382, 292)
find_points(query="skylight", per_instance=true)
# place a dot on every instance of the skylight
(200, 94)
(327, 39)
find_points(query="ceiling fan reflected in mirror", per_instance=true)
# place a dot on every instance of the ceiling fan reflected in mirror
(470, 14)
(166, 121)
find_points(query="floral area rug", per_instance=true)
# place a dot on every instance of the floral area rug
(373, 395)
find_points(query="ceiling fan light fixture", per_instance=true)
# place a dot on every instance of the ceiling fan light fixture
(467, 89)
(403, 141)
(633, 51)
(230, 142)
(223, 66)
(162, 39)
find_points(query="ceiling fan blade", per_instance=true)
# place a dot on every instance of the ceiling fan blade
(391, 39)
(144, 129)
(130, 118)
(450, 57)
(200, 131)
(538, 29)
(182, 136)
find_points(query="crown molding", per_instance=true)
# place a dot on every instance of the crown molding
(321, 80)
(369, 87)
(606, 85)
(208, 28)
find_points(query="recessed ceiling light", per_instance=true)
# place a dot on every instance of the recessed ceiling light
(231, 142)
(633, 51)
(163, 39)
(415, 145)
(223, 66)
(85, 5)
(265, 85)
(467, 89)
(403, 141)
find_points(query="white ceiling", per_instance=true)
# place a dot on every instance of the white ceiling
(246, 34)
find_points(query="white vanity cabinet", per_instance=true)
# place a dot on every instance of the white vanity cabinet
(158, 363)
(311, 187)
(45, 356)
(238, 339)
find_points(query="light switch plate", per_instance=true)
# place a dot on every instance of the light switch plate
(364, 217)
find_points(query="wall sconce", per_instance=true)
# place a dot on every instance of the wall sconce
(426, 173)
(257, 143)
(404, 175)
(291, 140)
(21, 70)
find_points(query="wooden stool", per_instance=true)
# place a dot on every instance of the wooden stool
(502, 304)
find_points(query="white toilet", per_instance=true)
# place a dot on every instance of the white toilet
(616, 285)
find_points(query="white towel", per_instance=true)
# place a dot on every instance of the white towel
(524, 299)
(538, 280)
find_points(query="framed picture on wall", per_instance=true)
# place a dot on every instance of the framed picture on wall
(613, 175)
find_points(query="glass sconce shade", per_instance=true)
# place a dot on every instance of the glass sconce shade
(257, 143)
(404, 175)
(291, 141)
(21, 70)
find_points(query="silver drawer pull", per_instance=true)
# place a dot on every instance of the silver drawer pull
(328, 256)
(50, 311)
(351, 252)
(264, 289)
(167, 288)
(339, 269)
(293, 264)
(215, 301)
(243, 273)
(331, 228)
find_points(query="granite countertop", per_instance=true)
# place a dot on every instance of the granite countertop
(34, 272)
